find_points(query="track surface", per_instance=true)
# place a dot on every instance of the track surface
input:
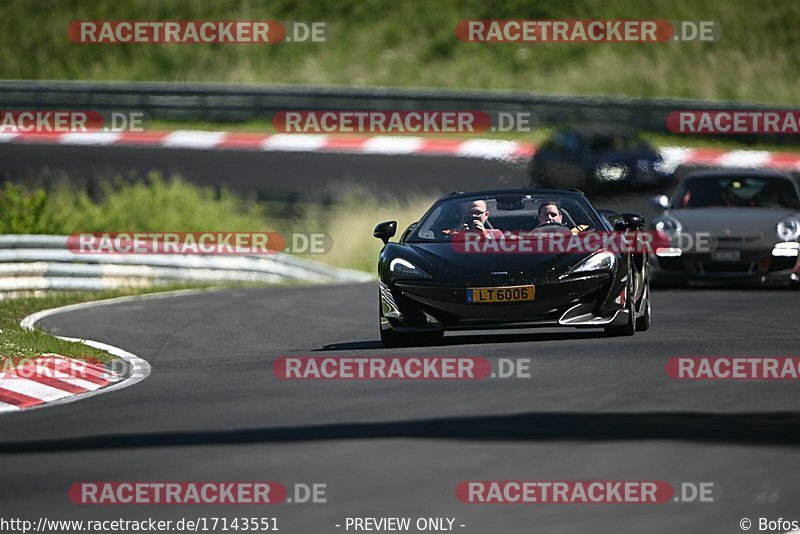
(274, 174)
(595, 407)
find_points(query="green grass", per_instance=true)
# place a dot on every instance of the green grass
(155, 204)
(412, 44)
(350, 220)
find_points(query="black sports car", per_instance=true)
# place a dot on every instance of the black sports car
(749, 221)
(596, 158)
(429, 282)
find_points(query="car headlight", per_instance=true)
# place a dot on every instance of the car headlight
(669, 225)
(599, 261)
(401, 268)
(789, 228)
(611, 172)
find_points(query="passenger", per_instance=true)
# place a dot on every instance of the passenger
(550, 212)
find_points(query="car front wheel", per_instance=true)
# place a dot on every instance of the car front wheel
(629, 328)
(643, 322)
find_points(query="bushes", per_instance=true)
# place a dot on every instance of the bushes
(154, 204)
(23, 212)
(160, 205)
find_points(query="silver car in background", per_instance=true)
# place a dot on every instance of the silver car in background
(734, 226)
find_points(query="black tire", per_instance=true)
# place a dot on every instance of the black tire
(643, 322)
(629, 328)
(393, 338)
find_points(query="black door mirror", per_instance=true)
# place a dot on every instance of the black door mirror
(630, 221)
(385, 231)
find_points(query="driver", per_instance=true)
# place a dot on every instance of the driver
(475, 218)
(550, 212)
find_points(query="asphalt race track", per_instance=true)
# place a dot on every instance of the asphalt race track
(273, 174)
(594, 408)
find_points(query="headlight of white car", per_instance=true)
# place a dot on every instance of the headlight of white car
(401, 268)
(599, 261)
(669, 225)
(789, 228)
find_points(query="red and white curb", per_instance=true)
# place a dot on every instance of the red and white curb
(202, 140)
(381, 145)
(49, 378)
(23, 393)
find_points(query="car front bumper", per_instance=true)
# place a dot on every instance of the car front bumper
(583, 301)
(756, 267)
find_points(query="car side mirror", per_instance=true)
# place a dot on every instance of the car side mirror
(629, 221)
(660, 201)
(385, 231)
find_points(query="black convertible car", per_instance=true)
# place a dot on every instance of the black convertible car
(431, 282)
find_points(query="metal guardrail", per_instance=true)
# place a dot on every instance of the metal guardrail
(223, 102)
(43, 262)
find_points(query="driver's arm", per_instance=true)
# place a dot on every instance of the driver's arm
(579, 228)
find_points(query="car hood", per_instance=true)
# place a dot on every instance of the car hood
(482, 268)
(731, 221)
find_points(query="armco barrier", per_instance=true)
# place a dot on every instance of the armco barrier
(223, 102)
(43, 262)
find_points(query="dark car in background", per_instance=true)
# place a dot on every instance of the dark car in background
(737, 226)
(428, 285)
(597, 158)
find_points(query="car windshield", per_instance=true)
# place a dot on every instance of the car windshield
(505, 213)
(737, 192)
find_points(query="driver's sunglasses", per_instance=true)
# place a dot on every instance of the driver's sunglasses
(478, 212)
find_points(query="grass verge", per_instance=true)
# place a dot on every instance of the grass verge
(413, 43)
